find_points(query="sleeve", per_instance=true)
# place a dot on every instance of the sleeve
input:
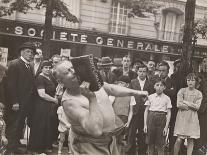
(12, 80)
(132, 101)
(197, 103)
(180, 98)
(39, 82)
(169, 105)
(148, 101)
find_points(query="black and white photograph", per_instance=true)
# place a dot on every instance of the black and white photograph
(103, 77)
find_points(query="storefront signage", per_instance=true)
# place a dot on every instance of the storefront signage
(86, 37)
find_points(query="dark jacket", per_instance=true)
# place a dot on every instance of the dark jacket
(109, 78)
(140, 100)
(20, 83)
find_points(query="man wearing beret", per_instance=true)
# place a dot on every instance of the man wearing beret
(19, 92)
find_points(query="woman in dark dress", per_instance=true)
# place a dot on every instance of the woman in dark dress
(41, 133)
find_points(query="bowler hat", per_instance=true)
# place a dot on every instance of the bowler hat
(29, 45)
(105, 61)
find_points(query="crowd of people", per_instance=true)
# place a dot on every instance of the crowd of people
(139, 103)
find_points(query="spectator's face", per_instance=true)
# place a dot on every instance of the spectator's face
(151, 66)
(106, 68)
(126, 62)
(27, 54)
(55, 61)
(191, 83)
(135, 66)
(204, 65)
(38, 55)
(66, 75)
(163, 70)
(46, 70)
(159, 87)
(142, 73)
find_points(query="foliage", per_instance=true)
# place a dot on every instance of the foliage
(59, 8)
(140, 8)
(201, 27)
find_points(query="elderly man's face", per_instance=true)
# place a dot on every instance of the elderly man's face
(151, 66)
(55, 61)
(27, 54)
(163, 71)
(66, 75)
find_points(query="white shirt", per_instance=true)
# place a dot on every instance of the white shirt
(23, 59)
(158, 102)
(141, 82)
(132, 100)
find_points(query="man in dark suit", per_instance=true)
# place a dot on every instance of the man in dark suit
(170, 91)
(20, 84)
(137, 122)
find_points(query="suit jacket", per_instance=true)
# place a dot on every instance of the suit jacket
(20, 83)
(109, 78)
(119, 72)
(140, 100)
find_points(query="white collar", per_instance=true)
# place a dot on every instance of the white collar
(23, 59)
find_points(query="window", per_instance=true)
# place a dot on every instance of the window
(171, 26)
(119, 19)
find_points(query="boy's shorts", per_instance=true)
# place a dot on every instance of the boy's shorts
(156, 122)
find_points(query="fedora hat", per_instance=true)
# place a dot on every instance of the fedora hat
(105, 61)
(29, 45)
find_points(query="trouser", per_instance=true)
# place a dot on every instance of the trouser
(86, 145)
(15, 121)
(137, 123)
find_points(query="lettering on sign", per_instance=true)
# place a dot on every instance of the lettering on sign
(84, 37)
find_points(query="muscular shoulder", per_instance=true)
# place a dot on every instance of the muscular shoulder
(74, 110)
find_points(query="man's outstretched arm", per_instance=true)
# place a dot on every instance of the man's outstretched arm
(119, 91)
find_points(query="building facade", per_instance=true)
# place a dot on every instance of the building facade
(104, 29)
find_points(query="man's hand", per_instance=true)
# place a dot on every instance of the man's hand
(15, 107)
(56, 101)
(145, 129)
(165, 131)
(144, 93)
(84, 87)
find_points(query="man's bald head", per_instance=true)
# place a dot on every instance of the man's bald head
(65, 74)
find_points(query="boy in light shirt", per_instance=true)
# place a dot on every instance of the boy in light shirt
(156, 122)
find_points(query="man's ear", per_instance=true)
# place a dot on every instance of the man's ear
(164, 87)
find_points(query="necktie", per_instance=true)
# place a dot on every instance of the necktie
(27, 65)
